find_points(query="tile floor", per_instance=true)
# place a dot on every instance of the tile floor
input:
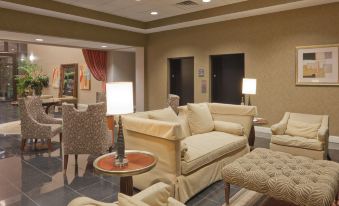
(35, 178)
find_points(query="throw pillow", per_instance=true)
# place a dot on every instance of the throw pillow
(229, 127)
(166, 114)
(125, 200)
(302, 129)
(199, 118)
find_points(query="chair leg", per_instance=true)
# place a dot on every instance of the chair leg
(65, 162)
(23, 143)
(60, 136)
(49, 143)
(76, 159)
(227, 193)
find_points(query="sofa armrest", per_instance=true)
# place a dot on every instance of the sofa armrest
(156, 194)
(323, 132)
(156, 128)
(174, 202)
(85, 201)
(278, 129)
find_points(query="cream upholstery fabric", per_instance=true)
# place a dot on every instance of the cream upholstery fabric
(200, 118)
(158, 194)
(306, 132)
(295, 141)
(296, 179)
(200, 172)
(206, 148)
(298, 128)
(229, 127)
(166, 114)
(125, 200)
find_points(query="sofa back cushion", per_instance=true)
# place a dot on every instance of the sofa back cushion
(302, 129)
(183, 118)
(229, 127)
(166, 114)
(240, 114)
(199, 118)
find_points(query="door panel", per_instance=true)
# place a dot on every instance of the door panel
(8, 70)
(227, 73)
(182, 79)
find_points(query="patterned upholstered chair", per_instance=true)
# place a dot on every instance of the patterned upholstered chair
(35, 123)
(84, 132)
(301, 135)
(173, 101)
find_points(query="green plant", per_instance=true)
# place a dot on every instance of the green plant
(30, 78)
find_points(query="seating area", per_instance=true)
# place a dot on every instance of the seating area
(169, 103)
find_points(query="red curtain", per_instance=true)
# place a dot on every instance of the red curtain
(97, 63)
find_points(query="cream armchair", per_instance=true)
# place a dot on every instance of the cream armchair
(155, 195)
(302, 135)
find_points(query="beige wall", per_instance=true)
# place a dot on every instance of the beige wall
(49, 57)
(269, 43)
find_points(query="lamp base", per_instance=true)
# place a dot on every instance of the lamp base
(120, 163)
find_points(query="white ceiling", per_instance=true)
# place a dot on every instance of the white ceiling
(140, 10)
(58, 41)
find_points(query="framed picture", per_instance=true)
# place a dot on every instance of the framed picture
(317, 65)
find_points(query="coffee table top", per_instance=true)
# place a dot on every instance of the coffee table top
(138, 162)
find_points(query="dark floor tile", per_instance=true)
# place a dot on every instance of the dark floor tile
(7, 191)
(57, 197)
(110, 199)
(77, 180)
(202, 202)
(48, 165)
(100, 190)
(21, 200)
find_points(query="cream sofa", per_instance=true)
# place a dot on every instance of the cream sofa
(189, 162)
(301, 135)
(156, 195)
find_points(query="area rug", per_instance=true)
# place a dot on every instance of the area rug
(10, 128)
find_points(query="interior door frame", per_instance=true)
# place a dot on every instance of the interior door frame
(169, 73)
(15, 71)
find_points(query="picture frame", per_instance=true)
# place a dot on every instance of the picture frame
(317, 65)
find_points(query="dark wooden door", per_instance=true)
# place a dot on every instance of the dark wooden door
(182, 79)
(227, 72)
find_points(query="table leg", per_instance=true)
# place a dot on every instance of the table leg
(251, 138)
(126, 185)
(227, 193)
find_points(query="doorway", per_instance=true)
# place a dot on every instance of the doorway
(8, 71)
(182, 79)
(227, 72)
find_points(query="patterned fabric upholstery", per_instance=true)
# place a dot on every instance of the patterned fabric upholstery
(173, 101)
(300, 180)
(35, 123)
(85, 131)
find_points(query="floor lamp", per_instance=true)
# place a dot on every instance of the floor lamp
(119, 98)
(249, 87)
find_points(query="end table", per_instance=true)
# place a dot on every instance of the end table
(138, 162)
(256, 122)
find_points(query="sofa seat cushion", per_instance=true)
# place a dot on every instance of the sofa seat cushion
(302, 129)
(295, 141)
(205, 148)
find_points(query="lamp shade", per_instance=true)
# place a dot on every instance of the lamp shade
(119, 98)
(249, 86)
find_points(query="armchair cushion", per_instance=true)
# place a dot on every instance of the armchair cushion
(206, 148)
(302, 129)
(125, 200)
(200, 118)
(296, 141)
(229, 127)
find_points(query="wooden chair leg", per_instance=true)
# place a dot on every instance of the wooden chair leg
(49, 143)
(76, 159)
(60, 136)
(227, 193)
(23, 143)
(65, 162)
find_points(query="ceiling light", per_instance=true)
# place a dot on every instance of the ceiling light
(39, 40)
(206, 1)
(104, 46)
(154, 13)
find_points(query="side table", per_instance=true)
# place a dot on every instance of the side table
(256, 122)
(138, 162)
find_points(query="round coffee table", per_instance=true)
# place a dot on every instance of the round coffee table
(138, 162)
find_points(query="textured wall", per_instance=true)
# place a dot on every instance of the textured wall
(49, 57)
(268, 42)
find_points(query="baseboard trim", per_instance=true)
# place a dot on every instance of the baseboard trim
(265, 132)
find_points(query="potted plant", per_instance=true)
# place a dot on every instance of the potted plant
(30, 79)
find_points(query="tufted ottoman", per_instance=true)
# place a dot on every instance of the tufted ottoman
(296, 179)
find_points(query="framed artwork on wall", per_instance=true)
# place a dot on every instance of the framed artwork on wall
(317, 65)
(85, 78)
